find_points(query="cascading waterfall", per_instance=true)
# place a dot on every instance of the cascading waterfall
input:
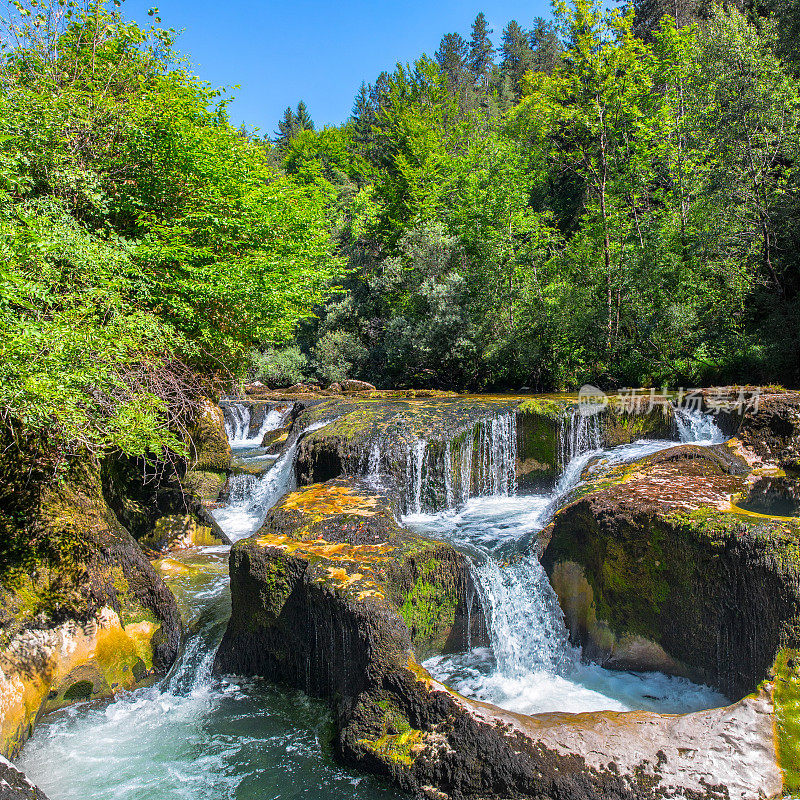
(526, 636)
(239, 424)
(437, 476)
(696, 427)
(243, 517)
(531, 667)
(579, 433)
(497, 453)
(196, 736)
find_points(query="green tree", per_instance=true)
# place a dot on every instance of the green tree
(481, 52)
(517, 56)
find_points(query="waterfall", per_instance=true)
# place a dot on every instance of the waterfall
(696, 427)
(526, 624)
(239, 423)
(497, 453)
(243, 517)
(480, 461)
(578, 434)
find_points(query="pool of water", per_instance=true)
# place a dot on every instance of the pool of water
(195, 736)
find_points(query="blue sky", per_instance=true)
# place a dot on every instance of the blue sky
(281, 52)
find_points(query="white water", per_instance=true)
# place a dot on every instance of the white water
(244, 513)
(696, 427)
(531, 667)
(481, 461)
(238, 424)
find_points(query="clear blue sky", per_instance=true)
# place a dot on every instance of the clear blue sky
(318, 51)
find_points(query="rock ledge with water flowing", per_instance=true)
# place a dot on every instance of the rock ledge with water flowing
(660, 565)
(332, 596)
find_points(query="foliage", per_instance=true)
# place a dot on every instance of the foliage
(144, 239)
(276, 368)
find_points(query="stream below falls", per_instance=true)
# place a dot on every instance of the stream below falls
(198, 737)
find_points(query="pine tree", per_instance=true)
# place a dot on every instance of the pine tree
(481, 51)
(287, 128)
(517, 56)
(452, 57)
(303, 118)
(545, 45)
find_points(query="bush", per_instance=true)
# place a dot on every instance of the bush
(339, 355)
(278, 367)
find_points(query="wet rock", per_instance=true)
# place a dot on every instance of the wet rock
(14, 785)
(338, 539)
(209, 445)
(335, 388)
(772, 429)
(656, 569)
(76, 591)
(333, 597)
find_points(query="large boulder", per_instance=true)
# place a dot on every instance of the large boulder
(771, 429)
(333, 597)
(82, 612)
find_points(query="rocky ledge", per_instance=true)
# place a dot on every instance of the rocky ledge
(659, 565)
(446, 447)
(332, 596)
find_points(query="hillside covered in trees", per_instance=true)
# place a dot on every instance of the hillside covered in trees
(608, 197)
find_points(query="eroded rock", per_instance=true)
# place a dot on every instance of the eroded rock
(658, 553)
(333, 597)
(14, 785)
(82, 611)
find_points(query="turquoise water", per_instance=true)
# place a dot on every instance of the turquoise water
(195, 736)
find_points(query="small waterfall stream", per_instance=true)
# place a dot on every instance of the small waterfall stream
(531, 667)
(242, 434)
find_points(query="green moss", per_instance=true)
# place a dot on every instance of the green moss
(205, 484)
(429, 609)
(82, 690)
(397, 740)
(787, 716)
(545, 407)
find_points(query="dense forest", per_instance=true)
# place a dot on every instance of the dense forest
(611, 196)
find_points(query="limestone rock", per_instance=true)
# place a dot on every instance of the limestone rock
(210, 449)
(772, 430)
(67, 561)
(657, 554)
(333, 597)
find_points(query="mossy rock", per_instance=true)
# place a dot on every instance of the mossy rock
(209, 446)
(65, 559)
(660, 555)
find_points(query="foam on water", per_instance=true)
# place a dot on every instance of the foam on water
(584, 687)
(531, 667)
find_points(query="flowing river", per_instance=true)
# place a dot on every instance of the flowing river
(198, 737)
